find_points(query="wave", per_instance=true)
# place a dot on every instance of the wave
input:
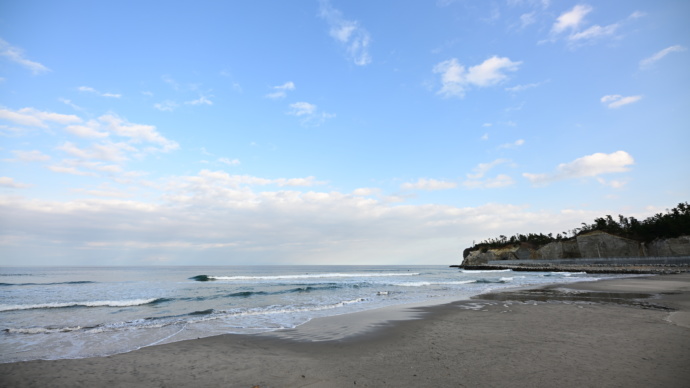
(185, 319)
(99, 303)
(246, 294)
(205, 278)
(484, 270)
(423, 284)
(500, 280)
(564, 274)
(47, 284)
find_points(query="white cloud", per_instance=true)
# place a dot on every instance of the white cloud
(71, 104)
(497, 182)
(90, 130)
(455, 79)
(483, 168)
(302, 108)
(429, 184)
(94, 91)
(281, 90)
(166, 106)
(349, 33)
(571, 20)
(616, 184)
(586, 166)
(637, 15)
(527, 18)
(70, 170)
(570, 26)
(594, 32)
(485, 136)
(616, 100)
(29, 156)
(475, 181)
(202, 100)
(206, 220)
(16, 55)
(366, 191)
(31, 117)
(114, 152)
(515, 144)
(309, 114)
(233, 162)
(10, 183)
(138, 133)
(648, 62)
(520, 88)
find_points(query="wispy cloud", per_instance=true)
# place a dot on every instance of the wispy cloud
(586, 166)
(648, 62)
(477, 180)
(613, 101)
(10, 183)
(16, 55)
(429, 185)
(499, 181)
(137, 133)
(483, 168)
(571, 20)
(523, 87)
(280, 91)
(166, 106)
(570, 25)
(32, 117)
(29, 156)
(202, 100)
(349, 33)
(233, 162)
(456, 80)
(515, 144)
(89, 89)
(309, 114)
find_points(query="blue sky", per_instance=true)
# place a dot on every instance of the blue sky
(331, 132)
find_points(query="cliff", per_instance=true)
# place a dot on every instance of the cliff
(596, 244)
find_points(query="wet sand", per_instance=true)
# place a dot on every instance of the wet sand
(614, 333)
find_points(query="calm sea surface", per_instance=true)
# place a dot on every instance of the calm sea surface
(75, 312)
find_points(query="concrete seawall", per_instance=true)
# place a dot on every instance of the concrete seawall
(623, 265)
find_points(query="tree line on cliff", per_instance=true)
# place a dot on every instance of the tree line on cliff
(674, 223)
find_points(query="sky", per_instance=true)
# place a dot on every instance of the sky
(331, 132)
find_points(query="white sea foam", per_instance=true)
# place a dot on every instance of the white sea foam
(42, 330)
(100, 303)
(424, 284)
(315, 276)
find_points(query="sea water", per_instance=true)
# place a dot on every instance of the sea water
(76, 312)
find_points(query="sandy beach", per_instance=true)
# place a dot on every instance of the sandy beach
(632, 332)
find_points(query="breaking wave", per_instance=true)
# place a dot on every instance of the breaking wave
(46, 284)
(190, 318)
(205, 278)
(99, 303)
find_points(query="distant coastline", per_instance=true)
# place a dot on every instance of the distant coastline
(658, 244)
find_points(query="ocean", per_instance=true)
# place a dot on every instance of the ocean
(77, 312)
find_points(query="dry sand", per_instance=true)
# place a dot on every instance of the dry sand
(612, 333)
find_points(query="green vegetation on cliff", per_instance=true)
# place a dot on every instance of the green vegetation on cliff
(675, 223)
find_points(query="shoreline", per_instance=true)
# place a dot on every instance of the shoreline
(630, 331)
(623, 269)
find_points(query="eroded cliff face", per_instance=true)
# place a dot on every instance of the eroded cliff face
(679, 246)
(595, 244)
(599, 244)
